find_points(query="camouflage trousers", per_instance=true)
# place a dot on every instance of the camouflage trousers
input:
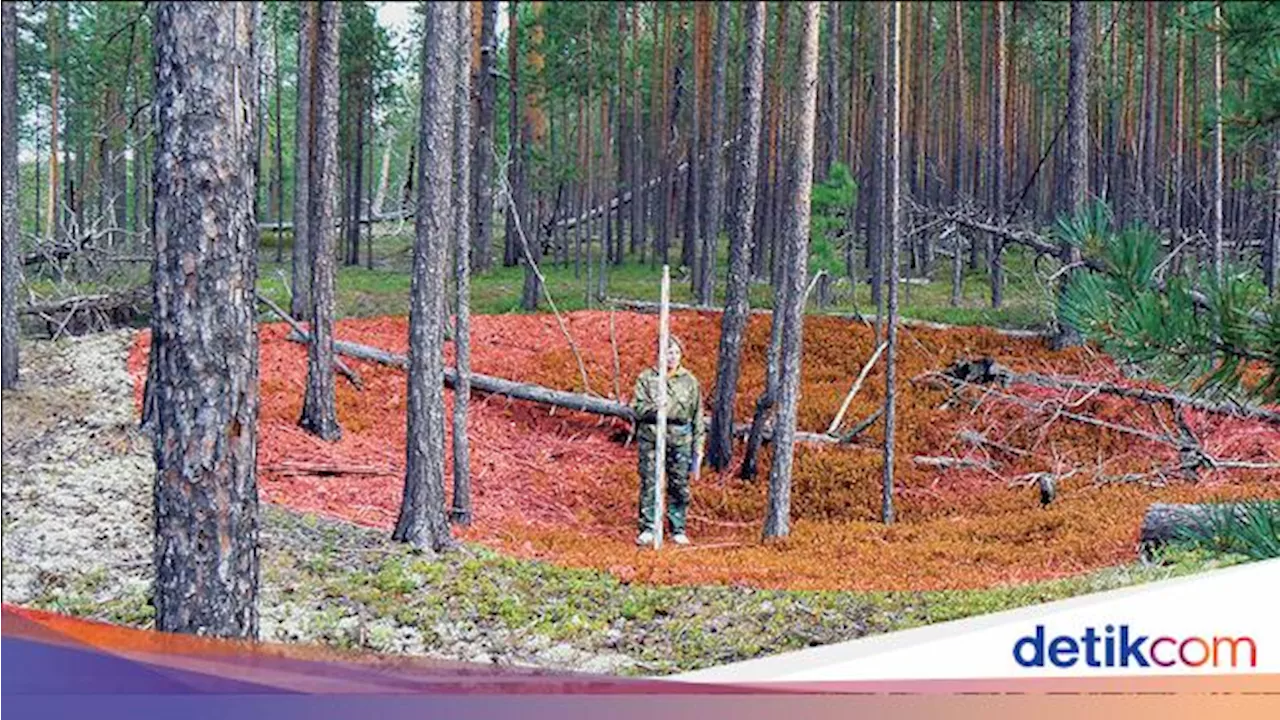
(679, 463)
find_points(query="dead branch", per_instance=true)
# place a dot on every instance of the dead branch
(994, 372)
(857, 385)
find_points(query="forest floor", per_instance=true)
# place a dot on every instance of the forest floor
(77, 539)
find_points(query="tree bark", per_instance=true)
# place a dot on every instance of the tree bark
(300, 304)
(422, 521)
(9, 148)
(830, 84)
(777, 517)
(460, 513)
(1216, 226)
(1271, 269)
(1077, 151)
(734, 321)
(484, 89)
(714, 200)
(204, 326)
(998, 159)
(319, 407)
(356, 172)
(515, 153)
(893, 236)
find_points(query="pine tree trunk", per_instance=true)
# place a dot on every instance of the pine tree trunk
(53, 215)
(356, 173)
(777, 516)
(1271, 268)
(319, 408)
(736, 305)
(422, 521)
(830, 147)
(714, 200)
(279, 141)
(893, 237)
(204, 325)
(1216, 228)
(485, 88)
(9, 171)
(879, 171)
(998, 156)
(638, 192)
(693, 179)
(460, 513)
(1077, 149)
(515, 160)
(301, 280)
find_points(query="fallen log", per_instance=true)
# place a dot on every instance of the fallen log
(986, 370)
(1166, 522)
(105, 302)
(340, 366)
(646, 306)
(533, 393)
(327, 470)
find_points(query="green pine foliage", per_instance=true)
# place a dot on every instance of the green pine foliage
(1215, 338)
(1250, 528)
(832, 204)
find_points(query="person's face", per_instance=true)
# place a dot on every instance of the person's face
(673, 357)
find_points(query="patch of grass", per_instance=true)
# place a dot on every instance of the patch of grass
(384, 290)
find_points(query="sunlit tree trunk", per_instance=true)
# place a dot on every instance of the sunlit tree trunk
(777, 515)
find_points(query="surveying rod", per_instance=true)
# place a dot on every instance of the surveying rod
(660, 446)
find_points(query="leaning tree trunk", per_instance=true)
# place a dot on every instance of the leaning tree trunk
(734, 322)
(422, 521)
(777, 516)
(300, 304)
(9, 146)
(461, 201)
(1077, 151)
(204, 327)
(319, 407)
(484, 88)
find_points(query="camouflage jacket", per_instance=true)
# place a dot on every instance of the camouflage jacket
(684, 406)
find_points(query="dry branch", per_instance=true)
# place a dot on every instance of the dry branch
(998, 373)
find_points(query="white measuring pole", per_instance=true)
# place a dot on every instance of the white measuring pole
(660, 446)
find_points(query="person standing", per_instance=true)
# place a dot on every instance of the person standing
(686, 434)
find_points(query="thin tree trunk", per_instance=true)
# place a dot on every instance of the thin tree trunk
(830, 84)
(777, 514)
(638, 229)
(484, 88)
(894, 238)
(1216, 230)
(714, 200)
(53, 214)
(204, 326)
(460, 513)
(1179, 155)
(300, 304)
(422, 521)
(736, 304)
(998, 159)
(279, 144)
(1271, 268)
(515, 159)
(1077, 150)
(879, 170)
(319, 407)
(9, 172)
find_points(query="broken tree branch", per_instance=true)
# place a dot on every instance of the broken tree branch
(857, 385)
